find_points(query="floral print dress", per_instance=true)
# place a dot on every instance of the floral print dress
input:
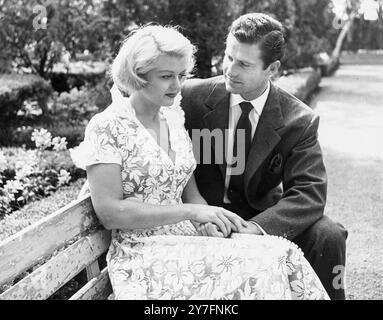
(172, 261)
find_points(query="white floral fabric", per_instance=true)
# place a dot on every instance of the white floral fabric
(172, 261)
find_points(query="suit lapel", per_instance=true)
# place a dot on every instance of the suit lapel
(218, 118)
(266, 136)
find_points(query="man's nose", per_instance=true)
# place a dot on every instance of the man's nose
(230, 69)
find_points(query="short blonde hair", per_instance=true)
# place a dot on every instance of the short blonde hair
(141, 49)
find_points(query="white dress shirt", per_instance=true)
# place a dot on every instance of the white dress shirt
(234, 115)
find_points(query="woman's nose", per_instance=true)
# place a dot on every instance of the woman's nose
(176, 83)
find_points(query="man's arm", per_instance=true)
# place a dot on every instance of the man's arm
(305, 189)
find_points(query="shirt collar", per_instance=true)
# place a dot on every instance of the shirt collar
(258, 103)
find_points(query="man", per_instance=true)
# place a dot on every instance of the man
(282, 190)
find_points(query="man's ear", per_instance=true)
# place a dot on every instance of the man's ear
(274, 67)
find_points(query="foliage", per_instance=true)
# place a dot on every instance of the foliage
(204, 22)
(38, 209)
(66, 115)
(99, 26)
(74, 107)
(16, 88)
(27, 175)
(70, 26)
(367, 34)
(309, 27)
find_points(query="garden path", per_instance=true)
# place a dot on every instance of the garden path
(350, 104)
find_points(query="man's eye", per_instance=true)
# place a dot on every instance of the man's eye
(182, 76)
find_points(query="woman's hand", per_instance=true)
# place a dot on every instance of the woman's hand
(225, 220)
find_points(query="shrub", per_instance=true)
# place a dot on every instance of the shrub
(67, 115)
(73, 108)
(16, 88)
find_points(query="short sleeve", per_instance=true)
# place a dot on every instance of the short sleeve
(99, 145)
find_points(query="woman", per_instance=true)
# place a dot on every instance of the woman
(139, 161)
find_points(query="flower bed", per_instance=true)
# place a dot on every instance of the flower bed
(36, 210)
(28, 175)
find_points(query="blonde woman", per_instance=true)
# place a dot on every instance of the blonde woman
(139, 162)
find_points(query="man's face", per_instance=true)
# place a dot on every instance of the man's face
(243, 69)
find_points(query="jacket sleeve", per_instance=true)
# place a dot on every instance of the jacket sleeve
(305, 188)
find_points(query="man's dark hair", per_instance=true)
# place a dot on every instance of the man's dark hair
(259, 28)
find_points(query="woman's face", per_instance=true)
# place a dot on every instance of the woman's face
(164, 80)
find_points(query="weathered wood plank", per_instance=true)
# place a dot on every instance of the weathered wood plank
(25, 248)
(51, 276)
(93, 270)
(98, 288)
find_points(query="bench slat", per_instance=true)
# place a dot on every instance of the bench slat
(24, 249)
(51, 276)
(98, 288)
(93, 270)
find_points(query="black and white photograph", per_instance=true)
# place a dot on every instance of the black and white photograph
(205, 150)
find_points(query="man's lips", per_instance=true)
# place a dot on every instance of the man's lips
(232, 80)
(171, 95)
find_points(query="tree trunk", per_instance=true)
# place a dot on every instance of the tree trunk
(339, 42)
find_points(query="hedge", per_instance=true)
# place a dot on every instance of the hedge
(16, 88)
(302, 83)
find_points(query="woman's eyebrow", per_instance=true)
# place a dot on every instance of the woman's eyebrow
(170, 71)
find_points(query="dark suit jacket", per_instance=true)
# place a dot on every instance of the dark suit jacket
(285, 178)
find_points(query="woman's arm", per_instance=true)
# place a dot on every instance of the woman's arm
(191, 194)
(115, 212)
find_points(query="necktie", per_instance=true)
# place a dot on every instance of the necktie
(236, 181)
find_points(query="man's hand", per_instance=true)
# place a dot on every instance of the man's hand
(250, 228)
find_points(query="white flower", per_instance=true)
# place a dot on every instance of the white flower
(42, 138)
(13, 186)
(64, 177)
(23, 170)
(59, 144)
(3, 162)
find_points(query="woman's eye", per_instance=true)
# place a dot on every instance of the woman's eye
(166, 77)
(182, 76)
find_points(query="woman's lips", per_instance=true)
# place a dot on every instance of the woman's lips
(171, 95)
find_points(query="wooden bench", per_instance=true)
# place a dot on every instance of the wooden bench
(39, 260)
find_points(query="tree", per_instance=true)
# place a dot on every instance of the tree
(204, 22)
(35, 44)
(308, 27)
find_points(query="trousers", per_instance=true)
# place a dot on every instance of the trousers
(324, 246)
